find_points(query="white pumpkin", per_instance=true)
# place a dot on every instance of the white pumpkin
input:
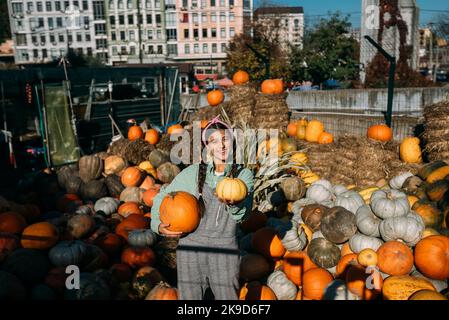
(337, 290)
(398, 181)
(107, 205)
(283, 288)
(339, 189)
(319, 193)
(367, 222)
(293, 238)
(350, 200)
(359, 241)
(389, 203)
(297, 218)
(131, 194)
(328, 203)
(407, 228)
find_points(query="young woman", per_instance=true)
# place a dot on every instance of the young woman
(209, 256)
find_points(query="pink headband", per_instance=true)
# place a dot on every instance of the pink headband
(215, 120)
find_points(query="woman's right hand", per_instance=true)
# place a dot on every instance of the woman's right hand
(163, 230)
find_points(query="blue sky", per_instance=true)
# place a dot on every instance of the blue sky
(314, 8)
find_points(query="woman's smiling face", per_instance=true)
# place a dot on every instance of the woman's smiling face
(219, 144)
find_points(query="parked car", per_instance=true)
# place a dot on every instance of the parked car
(442, 76)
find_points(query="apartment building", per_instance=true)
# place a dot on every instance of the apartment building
(205, 28)
(136, 31)
(44, 30)
(289, 21)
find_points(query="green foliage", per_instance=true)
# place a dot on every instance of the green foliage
(329, 53)
(80, 60)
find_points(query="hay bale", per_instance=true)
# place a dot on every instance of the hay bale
(436, 131)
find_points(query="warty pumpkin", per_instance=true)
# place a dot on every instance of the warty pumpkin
(313, 130)
(131, 194)
(181, 211)
(402, 287)
(426, 294)
(167, 172)
(410, 151)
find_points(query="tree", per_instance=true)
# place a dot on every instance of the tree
(265, 39)
(5, 30)
(328, 53)
(80, 60)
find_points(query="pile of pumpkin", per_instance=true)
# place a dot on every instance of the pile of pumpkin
(334, 240)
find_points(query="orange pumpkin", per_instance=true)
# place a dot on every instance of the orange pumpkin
(346, 249)
(110, 243)
(430, 214)
(380, 132)
(267, 242)
(149, 195)
(162, 291)
(291, 129)
(152, 136)
(315, 282)
(356, 279)
(12, 222)
(128, 208)
(240, 77)
(135, 132)
(313, 130)
(181, 211)
(325, 138)
(344, 263)
(41, 235)
(215, 97)
(395, 258)
(147, 183)
(131, 222)
(204, 123)
(255, 291)
(272, 86)
(137, 257)
(132, 177)
(175, 129)
(432, 257)
(296, 264)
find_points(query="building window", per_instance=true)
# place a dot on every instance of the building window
(204, 17)
(39, 7)
(21, 40)
(40, 22)
(132, 51)
(58, 6)
(35, 53)
(157, 3)
(231, 16)
(246, 4)
(85, 5)
(160, 50)
(112, 20)
(100, 43)
(120, 4)
(172, 49)
(195, 17)
(203, 4)
(89, 52)
(130, 19)
(214, 48)
(113, 36)
(148, 4)
(121, 20)
(223, 33)
(205, 48)
(194, 4)
(98, 10)
(123, 35)
(114, 51)
(34, 40)
(48, 6)
(132, 35)
(222, 3)
(187, 48)
(123, 50)
(232, 32)
(186, 33)
(79, 37)
(150, 34)
(185, 3)
(150, 50)
(87, 37)
(195, 34)
(43, 39)
(62, 52)
(213, 33)
(76, 4)
(185, 17)
(231, 3)
(205, 33)
(158, 20)
(59, 22)
(213, 17)
(111, 4)
(170, 4)
(159, 34)
(196, 48)
(222, 17)
(212, 3)
(223, 47)
(149, 19)
(30, 6)
(50, 23)
(54, 53)
(86, 22)
(130, 4)
(61, 37)
(70, 38)
(171, 34)
(100, 29)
